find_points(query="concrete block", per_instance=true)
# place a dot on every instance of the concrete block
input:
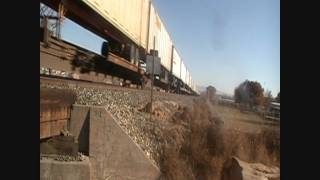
(79, 126)
(63, 145)
(113, 154)
(56, 170)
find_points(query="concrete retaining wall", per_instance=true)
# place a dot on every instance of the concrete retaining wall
(112, 153)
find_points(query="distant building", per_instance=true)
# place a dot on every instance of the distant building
(211, 92)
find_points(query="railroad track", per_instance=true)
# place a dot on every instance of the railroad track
(57, 80)
(79, 82)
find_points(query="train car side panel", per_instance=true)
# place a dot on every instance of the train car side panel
(130, 17)
(186, 77)
(183, 72)
(176, 66)
(163, 40)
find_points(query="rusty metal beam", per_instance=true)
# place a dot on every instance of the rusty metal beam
(50, 17)
(122, 62)
(59, 49)
(86, 17)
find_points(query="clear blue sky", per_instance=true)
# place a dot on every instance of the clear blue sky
(222, 42)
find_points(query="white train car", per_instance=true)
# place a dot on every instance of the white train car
(183, 72)
(186, 79)
(190, 81)
(140, 22)
(176, 64)
(130, 17)
(163, 41)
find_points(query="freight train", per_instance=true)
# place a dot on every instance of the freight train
(132, 29)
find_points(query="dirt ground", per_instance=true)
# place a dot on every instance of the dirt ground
(203, 135)
(241, 121)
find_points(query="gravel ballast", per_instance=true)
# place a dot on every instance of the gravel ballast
(128, 108)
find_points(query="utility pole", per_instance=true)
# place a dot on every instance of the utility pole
(152, 75)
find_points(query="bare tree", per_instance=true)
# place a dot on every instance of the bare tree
(249, 93)
(267, 99)
(278, 98)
